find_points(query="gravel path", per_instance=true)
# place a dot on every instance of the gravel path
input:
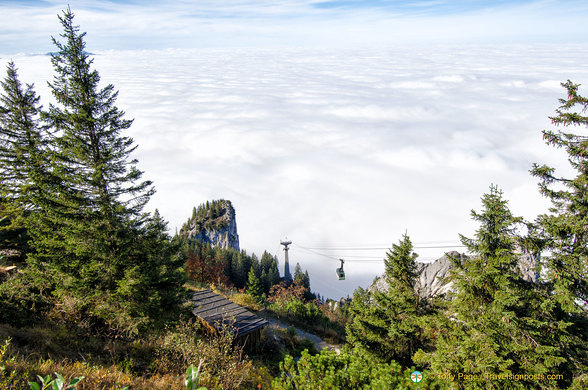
(319, 343)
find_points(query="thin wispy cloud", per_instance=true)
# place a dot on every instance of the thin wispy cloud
(26, 25)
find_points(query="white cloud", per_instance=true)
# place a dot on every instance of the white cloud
(339, 147)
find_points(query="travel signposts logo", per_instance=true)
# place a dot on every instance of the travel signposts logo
(416, 376)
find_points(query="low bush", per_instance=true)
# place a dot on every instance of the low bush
(245, 300)
(24, 298)
(352, 370)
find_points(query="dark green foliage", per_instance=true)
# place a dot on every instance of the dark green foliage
(244, 262)
(93, 153)
(13, 238)
(154, 288)
(496, 325)
(238, 272)
(253, 284)
(564, 231)
(20, 136)
(270, 275)
(98, 216)
(226, 266)
(235, 265)
(566, 227)
(352, 369)
(23, 160)
(88, 235)
(389, 324)
(25, 299)
(302, 279)
(209, 215)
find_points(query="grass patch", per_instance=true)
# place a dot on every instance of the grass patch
(153, 362)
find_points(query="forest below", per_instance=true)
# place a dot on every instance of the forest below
(100, 294)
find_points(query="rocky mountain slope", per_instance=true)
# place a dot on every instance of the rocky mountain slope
(432, 281)
(213, 222)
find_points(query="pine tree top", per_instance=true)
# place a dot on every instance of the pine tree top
(400, 264)
(210, 215)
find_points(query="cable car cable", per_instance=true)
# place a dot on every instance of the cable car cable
(341, 273)
(382, 248)
(361, 258)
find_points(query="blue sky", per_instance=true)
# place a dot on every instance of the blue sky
(27, 25)
(435, 7)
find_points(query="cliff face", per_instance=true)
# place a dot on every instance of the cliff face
(432, 278)
(215, 223)
(432, 282)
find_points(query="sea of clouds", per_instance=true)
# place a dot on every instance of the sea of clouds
(339, 148)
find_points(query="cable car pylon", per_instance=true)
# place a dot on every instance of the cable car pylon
(287, 275)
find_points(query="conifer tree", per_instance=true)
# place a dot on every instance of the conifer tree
(154, 288)
(496, 326)
(109, 255)
(297, 272)
(387, 323)
(306, 280)
(90, 236)
(238, 271)
(273, 276)
(270, 274)
(565, 229)
(23, 162)
(254, 287)
(267, 261)
(94, 151)
(264, 280)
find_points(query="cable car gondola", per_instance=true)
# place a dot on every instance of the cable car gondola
(340, 272)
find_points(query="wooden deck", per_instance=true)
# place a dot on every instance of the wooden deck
(218, 312)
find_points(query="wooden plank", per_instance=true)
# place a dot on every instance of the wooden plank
(218, 311)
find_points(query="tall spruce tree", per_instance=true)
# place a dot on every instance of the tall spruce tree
(102, 207)
(108, 254)
(23, 161)
(387, 324)
(565, 229)
(496, 328)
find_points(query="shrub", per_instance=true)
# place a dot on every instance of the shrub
(246, 300)
(351, 369)
(24, 298)
(223, 365)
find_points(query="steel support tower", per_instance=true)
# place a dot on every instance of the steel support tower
(287, 276)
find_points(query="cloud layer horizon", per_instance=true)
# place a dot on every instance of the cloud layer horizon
(339, 148)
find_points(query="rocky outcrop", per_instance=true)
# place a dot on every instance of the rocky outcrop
(215, 223)
(432, 280)
(528, 265)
